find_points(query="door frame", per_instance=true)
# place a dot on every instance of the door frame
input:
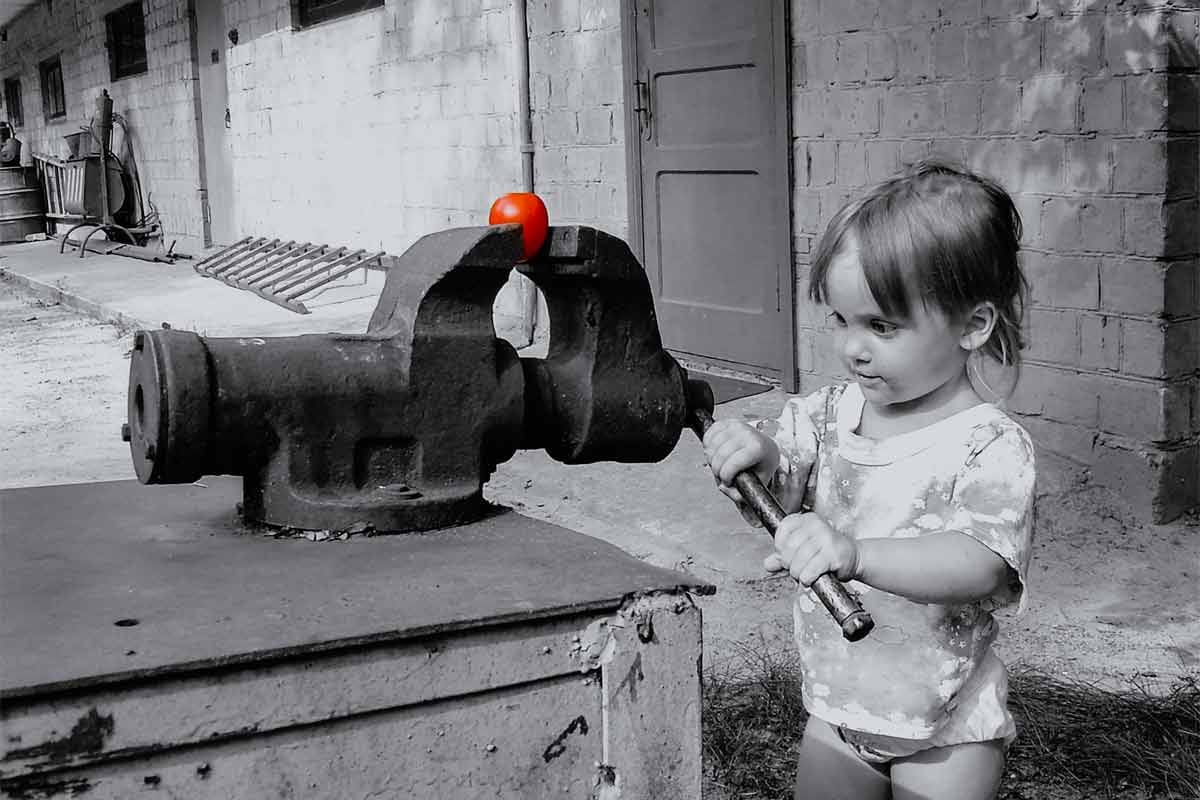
(780, 190)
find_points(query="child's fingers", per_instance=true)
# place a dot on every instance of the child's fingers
(774, 563)
(729, 491)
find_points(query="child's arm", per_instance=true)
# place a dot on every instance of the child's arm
(947, 567)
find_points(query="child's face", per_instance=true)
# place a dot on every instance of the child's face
(902, 365)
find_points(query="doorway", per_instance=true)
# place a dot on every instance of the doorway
(707, 141)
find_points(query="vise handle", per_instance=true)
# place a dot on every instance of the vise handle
(854, 620)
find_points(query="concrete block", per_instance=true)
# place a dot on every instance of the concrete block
(882, 58)
(1000, 106)
(808, 113)
(1146, 411)
(899, 13)
(913, 151)
(1009, 9)
(961, 113)
(950, 52)
(909, 111)
(822, 163)
(852, 163)
(852, 111)
(1143, 348)
(1029, 206)
(1140, 166)
(852, 58)
(800, 173)
(1053, 336)
(1182, 290)
(1000, 49)
(914, 53)
(883, 159)
(1074, 45)
(1049, 104)
(847, 15)
(1145, 233)
(1100, 224)
(1181, 348)
(1060, 223)
(948, 150)
(558, 128)
(1060, 281)
(806, 210)
(1067, 441)
(1183, 99)
(1057, 394)
(1088, 166)
(1146, 103)
(1100, 342)
(822, 60)
(1162, 481)
(1182, 234)
(1183, 167)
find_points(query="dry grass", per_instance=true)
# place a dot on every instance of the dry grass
(1076, 740)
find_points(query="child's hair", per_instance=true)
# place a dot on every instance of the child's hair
(935, 234)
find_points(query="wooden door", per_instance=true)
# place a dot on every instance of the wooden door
(707, 125)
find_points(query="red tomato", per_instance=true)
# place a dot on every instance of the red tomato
(527, 209)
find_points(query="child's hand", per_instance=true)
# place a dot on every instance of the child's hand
(732, 446)
(808, 548)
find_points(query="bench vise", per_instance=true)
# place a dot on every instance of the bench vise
(398, 428)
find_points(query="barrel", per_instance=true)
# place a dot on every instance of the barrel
(22, 206)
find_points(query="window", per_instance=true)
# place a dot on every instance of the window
(126, 32)
(310, 12)
(54, 101)
(12, 102)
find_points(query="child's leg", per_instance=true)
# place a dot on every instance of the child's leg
(829, 770)
(969, 771)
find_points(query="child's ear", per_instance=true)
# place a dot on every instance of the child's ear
(978, 325)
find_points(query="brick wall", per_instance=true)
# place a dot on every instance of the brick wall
(374, 129)
(578, 122)
(157, 105)
(1087, 113)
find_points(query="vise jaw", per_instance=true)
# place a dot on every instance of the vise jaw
(398, 428)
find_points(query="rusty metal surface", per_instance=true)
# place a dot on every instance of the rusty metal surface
(520, 743)
(398, 428)
(109, 582)
(581, 706)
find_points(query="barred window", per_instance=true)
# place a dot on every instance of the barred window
(12, 102)
(54, 100)
(310, 12)
(126, 32)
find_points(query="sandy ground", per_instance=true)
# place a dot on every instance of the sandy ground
(1113, 597)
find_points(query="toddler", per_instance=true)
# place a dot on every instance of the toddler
(908, 485)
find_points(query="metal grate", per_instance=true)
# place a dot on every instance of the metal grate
(285, 273)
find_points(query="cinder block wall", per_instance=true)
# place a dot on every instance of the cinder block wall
(578, 122)
(374, 129)
(1088, 113)
(157, 105)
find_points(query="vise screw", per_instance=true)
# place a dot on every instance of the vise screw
(398, 428)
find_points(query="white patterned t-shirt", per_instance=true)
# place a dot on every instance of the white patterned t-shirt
(972, 473)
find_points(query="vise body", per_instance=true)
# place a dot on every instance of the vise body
(398, 428)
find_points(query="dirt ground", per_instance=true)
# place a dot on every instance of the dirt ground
(1114, 598)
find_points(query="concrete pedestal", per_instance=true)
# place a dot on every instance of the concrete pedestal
(151, 643)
